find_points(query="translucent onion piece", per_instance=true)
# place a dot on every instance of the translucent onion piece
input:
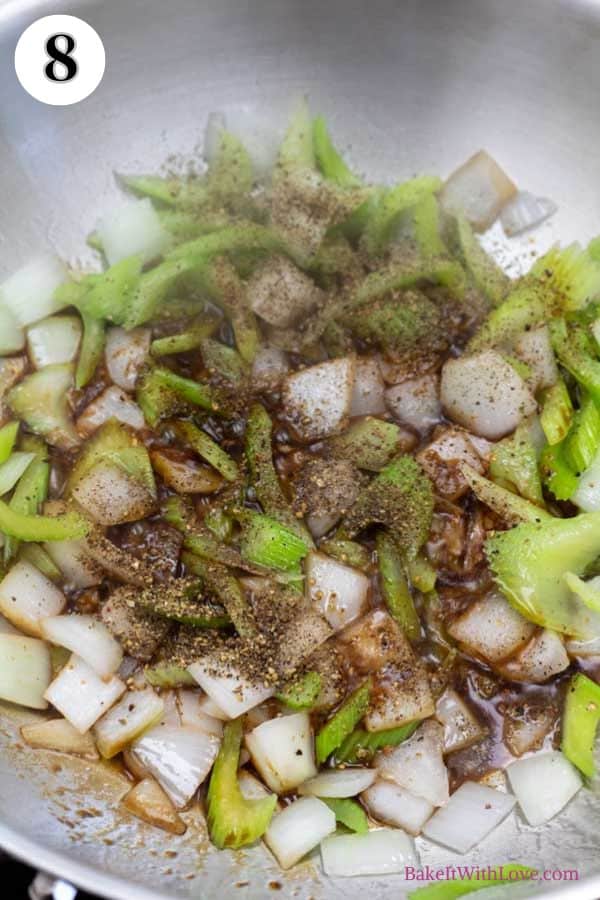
(12, 336)
(491, 628)
(88, 637)
(113, 403)
(54, 340)
(543, 785)
(317, 399)
(391, 804)
(385, 851)
(135, 712)
(339, 783)
(525, 211)
(368, 392)
(282, 751)
(71, 557)
(133, 229)
(298, 828)
(27, 597)
(29, 293)
(126, 353)
(25, 670)
(485, 395)
(540, 659)
(229, 690)
(179, 758)
(416, 402)
(150, 803)
(338, 591)
(81, 695)
(61, 736)
(471, 813)
(480, 189)
(417, 764)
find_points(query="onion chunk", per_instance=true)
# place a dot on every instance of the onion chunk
(381, 852)
(298, 828)
(472, 812)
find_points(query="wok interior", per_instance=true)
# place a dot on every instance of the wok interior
(406, 88)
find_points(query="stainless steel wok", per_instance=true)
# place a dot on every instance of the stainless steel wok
(407, 85)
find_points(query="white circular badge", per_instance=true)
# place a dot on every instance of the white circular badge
(60, 60)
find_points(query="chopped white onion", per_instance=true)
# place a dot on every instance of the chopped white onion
(112, 403)
(133, 229)
(229, 690)
(298, 828)
(88, 637)
(282, 751)
(416, 402)
(12, 336)
(368, 392)
(479, 189)
(492, 628)
(29, 292)
(135, 712)
(191, 713)
(179, 758)
(535, 349)
(150, 803)
(280, 293)
(461, 726)
(485, 394)
(61, 736)
(320, 524)
(81, 695)
(54, 340)
(417, 764)
(27, 596)
(441, 460)
(384, 851)
(471, 813)
(338, 591)
(526, 725)
(587, 495)
(25, 670)
(584, 648)
(391, 804)
(543, 784)
(71, 557)
(126, 353)
(541, 658)
(111, 496)
(269, 367)
(525, 211)
(209, 708)
(346, 782)
(317, 399)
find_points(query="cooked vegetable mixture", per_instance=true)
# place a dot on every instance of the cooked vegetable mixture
(300, 506)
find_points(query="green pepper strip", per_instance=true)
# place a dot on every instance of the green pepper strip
(362, 745)
(8, 436)
(227, 589)
(42, 528)
(343, 722)
(208, 449)
(395, 587)
(580, 722)
(349, 813)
